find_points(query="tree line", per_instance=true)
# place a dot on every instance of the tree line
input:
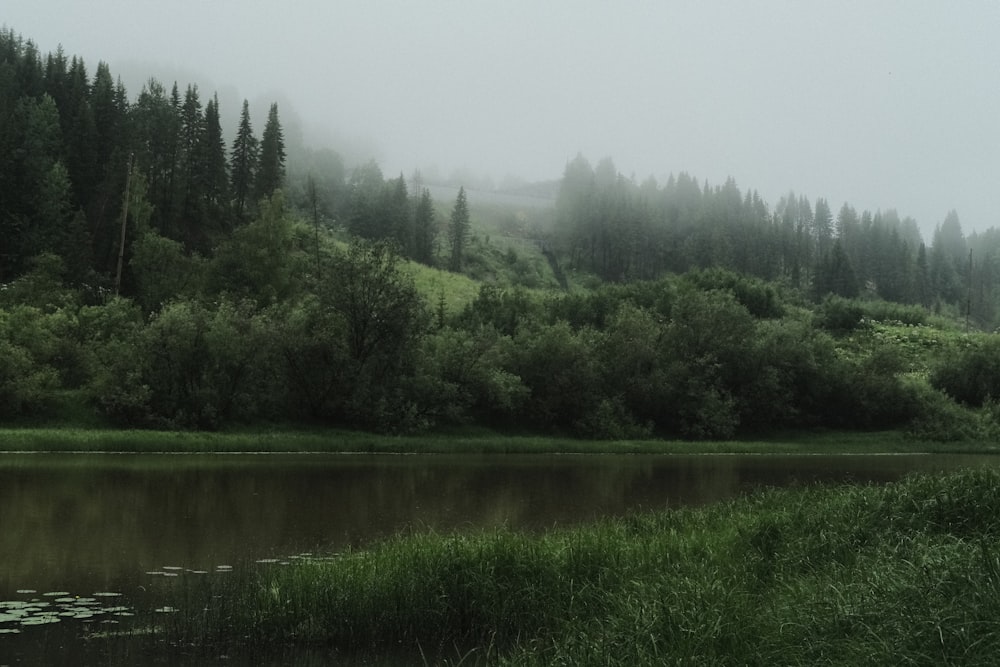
(712, 315)
(70, 142)
(255, 335)
(620, 230)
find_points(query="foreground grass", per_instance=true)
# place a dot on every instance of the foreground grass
(903, 574)
(69, 439)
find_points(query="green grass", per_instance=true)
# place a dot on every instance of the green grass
(903, 574)
(458, 290)
(71, 439)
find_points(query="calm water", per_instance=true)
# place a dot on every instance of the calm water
(80, 524)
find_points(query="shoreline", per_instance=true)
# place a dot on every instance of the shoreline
(55, 440)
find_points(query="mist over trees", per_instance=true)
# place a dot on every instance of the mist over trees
(258, 287)
(621, 231)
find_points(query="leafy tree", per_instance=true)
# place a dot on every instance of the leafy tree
(560, 368)
(163, 272)
(970, 375)
(464, 375)
(380, 317)
(257, 260)
(197, 366)
(458, 231)
(705, 352)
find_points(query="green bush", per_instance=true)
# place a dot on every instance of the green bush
(561, 369)
(759, 298)
(839, 315)
(26, 387)
(888, 311)
(970, 375)
(940, 418)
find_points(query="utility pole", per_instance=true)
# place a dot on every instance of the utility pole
(121, 247)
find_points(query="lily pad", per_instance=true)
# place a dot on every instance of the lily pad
(40, 620)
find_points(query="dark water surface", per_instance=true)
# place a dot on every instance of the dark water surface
(85, 523)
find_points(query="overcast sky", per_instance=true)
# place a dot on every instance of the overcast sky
(879, 104)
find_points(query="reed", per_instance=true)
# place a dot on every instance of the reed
(903, 574)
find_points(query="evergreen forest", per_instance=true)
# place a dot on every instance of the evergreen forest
(155, 273)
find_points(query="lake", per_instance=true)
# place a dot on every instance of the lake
(76, 525)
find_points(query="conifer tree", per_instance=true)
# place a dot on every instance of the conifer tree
(216, 185)
(822, 226)
(365, 207)
(423, 229)
(271, 163)
(458, 230)
(192, 176)
(400, 214)
(243, 163)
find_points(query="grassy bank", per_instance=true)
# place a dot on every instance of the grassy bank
(69, 439)
(903, 574)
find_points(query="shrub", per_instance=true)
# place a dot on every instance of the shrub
(838, 315)
(759, 298)
(887, 311)
(970, 375)
(940, 418)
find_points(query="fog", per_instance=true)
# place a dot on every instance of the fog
(879, 104)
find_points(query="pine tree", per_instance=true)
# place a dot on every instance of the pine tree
(110, 110)
(243, 163)
(835, 275)
(400, 215)
(271, 164)
(423, 229)
(822, 226)
(80, 134)
(365, 201)
(216, 185)
(155, 126)
(458, 230)
(192, 173)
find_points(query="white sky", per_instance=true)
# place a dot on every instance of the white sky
(879, 104)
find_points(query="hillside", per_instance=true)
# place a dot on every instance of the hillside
(155, 275)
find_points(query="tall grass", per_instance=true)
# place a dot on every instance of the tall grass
(903, 574)
(294, 440)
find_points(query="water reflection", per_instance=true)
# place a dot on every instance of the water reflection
(100, 522)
